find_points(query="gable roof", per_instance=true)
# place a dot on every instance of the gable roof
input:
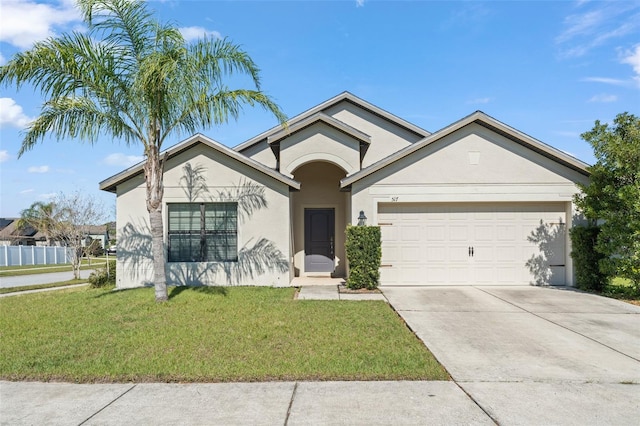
(343, 97)
(10, 231)
(483, 120)
(110, 184)
(317, 118)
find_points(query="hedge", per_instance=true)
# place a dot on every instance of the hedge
(364, 254)
(586, 259)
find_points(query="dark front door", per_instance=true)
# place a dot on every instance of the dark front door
(319, 233)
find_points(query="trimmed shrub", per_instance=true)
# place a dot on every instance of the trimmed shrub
(100, 278)
(586, 259)
(364, 253)
(94, 248)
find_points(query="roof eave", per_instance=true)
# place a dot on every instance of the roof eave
(486, 121)
(110, 184)
(344, 96)
(316, 118)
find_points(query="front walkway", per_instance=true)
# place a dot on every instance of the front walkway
(331, 292)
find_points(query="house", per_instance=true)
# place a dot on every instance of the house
(477, 202)
(11, 235)
(97, 233)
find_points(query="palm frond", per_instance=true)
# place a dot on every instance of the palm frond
(75, 117)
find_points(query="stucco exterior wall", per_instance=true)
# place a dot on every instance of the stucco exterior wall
(472, 164)
(386, 137)
(226, 179)
(262, 153)
(319, 142)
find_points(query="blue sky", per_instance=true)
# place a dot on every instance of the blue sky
(549, 69)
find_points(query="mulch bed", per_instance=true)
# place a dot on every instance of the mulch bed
(343, 289)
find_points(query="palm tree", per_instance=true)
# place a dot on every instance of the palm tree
(137, 80)
(39, 216)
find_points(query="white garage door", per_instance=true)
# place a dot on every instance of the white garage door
(472, 243)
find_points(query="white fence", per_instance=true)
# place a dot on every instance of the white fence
(32, 255)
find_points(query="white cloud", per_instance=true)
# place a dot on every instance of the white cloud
(24, 22)
(11, 114)
(27, 191)
(38, 169)
(4, 156)
(194, 33)
(603, 97)
(359, 3)
(632, 58)
(122, 160)
(606, 80)
(48, 195)
(595, 24)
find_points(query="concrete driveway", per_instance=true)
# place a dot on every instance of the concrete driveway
(531, 355)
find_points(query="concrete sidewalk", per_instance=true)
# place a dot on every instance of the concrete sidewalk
(274, 403)
(36, 279)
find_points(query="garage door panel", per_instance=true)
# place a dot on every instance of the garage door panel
(435, 254)
(508, 254)
(458, 253)
(436, 233)
(392, 254)
(411, 233)
(411, 254)
(458, 233)
(484, 232)
(428, 244)
(389, 234)
(411, 275)
(506, 232)
(459, 275)
(483, 253)
(507, 275)
(485, 274)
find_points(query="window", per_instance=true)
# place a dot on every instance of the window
(203, 232)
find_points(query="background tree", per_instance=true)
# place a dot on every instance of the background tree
(38, 216)
(70, 222)
(138, 80)
(613, 196)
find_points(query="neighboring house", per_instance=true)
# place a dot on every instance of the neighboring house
(11, 235)
(476, 202)
(99, 233)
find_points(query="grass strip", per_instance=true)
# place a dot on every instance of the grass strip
(205, 334)
(41, 286)
(622, 289)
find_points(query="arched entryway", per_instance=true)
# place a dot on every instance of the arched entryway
(319, 212)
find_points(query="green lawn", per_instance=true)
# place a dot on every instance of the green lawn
(205, 335)
(13, 271)
(622, 288)
(41, 286)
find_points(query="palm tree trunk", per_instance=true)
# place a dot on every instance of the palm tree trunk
(155, 191)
